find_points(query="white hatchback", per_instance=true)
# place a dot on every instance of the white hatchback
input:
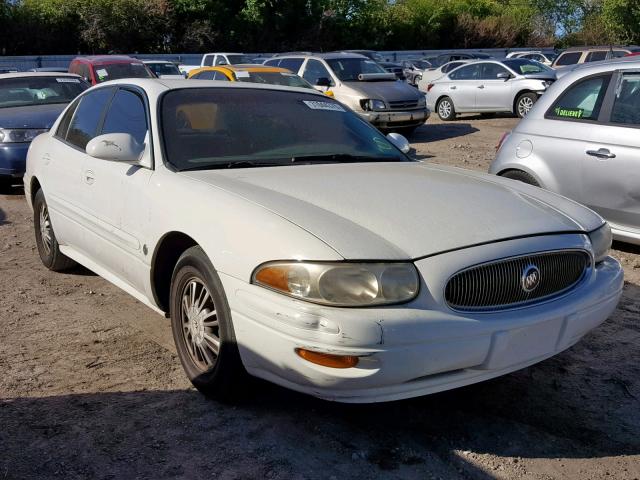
(288, 238)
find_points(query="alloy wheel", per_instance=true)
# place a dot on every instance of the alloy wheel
(524, 105)
(45, 230)
(200, 326)
(444, 109)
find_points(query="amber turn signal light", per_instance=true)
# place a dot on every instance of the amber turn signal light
(328, 360)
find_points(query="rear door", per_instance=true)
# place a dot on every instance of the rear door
(463, 87)
(115, 194)
(611, 167)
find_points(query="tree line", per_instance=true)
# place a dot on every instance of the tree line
(31, 27)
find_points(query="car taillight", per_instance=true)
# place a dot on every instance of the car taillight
(429, 87)
(502, 139)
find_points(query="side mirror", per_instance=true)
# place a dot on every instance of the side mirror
(117, 147)
(399, 141)
(504, 75)
(323, 82)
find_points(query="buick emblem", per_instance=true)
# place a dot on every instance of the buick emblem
(530, 278)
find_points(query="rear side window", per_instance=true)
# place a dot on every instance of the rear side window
(618, 53)
(596, 56)
(206, 75)
(127, 114)
(220, 76)
(450, 66)
(570, 58)
(207, 61)
(84, 124)
(292, 64)
(470, 72)
(314, 70)
(626, 105)
(581, 101)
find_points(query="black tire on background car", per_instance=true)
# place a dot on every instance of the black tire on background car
(520, 176)
(446, 110)
(524, 103)
(48, 247)
(202, 328)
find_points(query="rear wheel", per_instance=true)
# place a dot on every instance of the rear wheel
(202, 327)
(520, 176)
(446, 110)
(524, 103)
(46, 241)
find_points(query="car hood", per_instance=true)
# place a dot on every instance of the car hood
(32, 116)
(541, 76)
(392, 211)
(391, 91)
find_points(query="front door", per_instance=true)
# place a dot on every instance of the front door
(493, 92)
(463, 87)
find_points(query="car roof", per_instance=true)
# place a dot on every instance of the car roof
(157, 61)
(222, 53)
(601, 47)
(106, 59)
(605, 65)
(243, 68)
(37, 74)
(327, 56)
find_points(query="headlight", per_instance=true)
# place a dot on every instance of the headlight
(19, 135)
(341, 283)
(601, 242)
(373, 104)
(422, 102)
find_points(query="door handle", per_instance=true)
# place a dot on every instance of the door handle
(601, 153)
(453, 87)
(88, 177)
(480, 86)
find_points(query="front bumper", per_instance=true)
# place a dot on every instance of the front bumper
(391, 119)
(414, 349)
(13, 159)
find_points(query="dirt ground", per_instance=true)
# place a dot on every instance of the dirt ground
(91, 388)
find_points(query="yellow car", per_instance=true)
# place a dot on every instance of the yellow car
(252, 74)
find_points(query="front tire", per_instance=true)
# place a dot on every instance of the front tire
(525, 103)
(446, 110)
(46, 241)
(202, 328)
(521, 177)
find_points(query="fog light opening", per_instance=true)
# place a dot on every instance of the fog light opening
(327, 359)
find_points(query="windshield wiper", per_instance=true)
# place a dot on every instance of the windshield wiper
(234, 164)
(342, 158)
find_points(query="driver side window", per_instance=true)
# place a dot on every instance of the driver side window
(127, 114)
(315, 70)
(470, 72)
(86, 118)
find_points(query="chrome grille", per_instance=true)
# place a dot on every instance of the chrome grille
(403, 104)
(499, 285)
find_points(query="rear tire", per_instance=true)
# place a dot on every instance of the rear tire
(446, 110)
(203, 330)
(525, 103)
(521, 176)
(46, 241)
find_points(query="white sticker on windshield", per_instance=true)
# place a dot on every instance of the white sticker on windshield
(102, 73)
(323, 106)
(242, 74)
(68, 80)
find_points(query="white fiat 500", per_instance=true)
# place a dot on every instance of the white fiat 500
(287, 238)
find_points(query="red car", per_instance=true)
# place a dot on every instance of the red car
(634, 54)
(100, 68)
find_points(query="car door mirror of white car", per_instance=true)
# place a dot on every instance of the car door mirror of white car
(505, 76)
(117, 147)
(399, 141)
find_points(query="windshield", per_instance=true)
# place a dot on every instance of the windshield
(114, 71)
(348, 69)
(21, 92)
(237, 59)
(207, 128)
(273, 78)
(526, 67)
(164, 69)
(422, 64)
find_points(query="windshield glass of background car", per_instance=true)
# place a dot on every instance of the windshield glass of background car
(581, 101)
(239, 59)
(114, 71)
(164, 69)
(272, 78)
(20, 92)
(526, 67)
(213, 127)
(348, 69)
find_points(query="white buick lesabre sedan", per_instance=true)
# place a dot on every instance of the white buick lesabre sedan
(287, 238)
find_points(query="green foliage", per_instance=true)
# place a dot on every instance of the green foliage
(92, 26)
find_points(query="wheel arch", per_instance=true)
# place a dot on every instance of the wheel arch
(34, 186)
(167, 252)
(521, 169)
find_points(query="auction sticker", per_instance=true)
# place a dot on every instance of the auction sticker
(569, 112)
(242, 74)
(68, 80)
(102, 73)
(314, 105)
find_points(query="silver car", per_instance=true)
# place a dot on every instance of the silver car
(582, 140)
(363, 85)
(508, 85)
